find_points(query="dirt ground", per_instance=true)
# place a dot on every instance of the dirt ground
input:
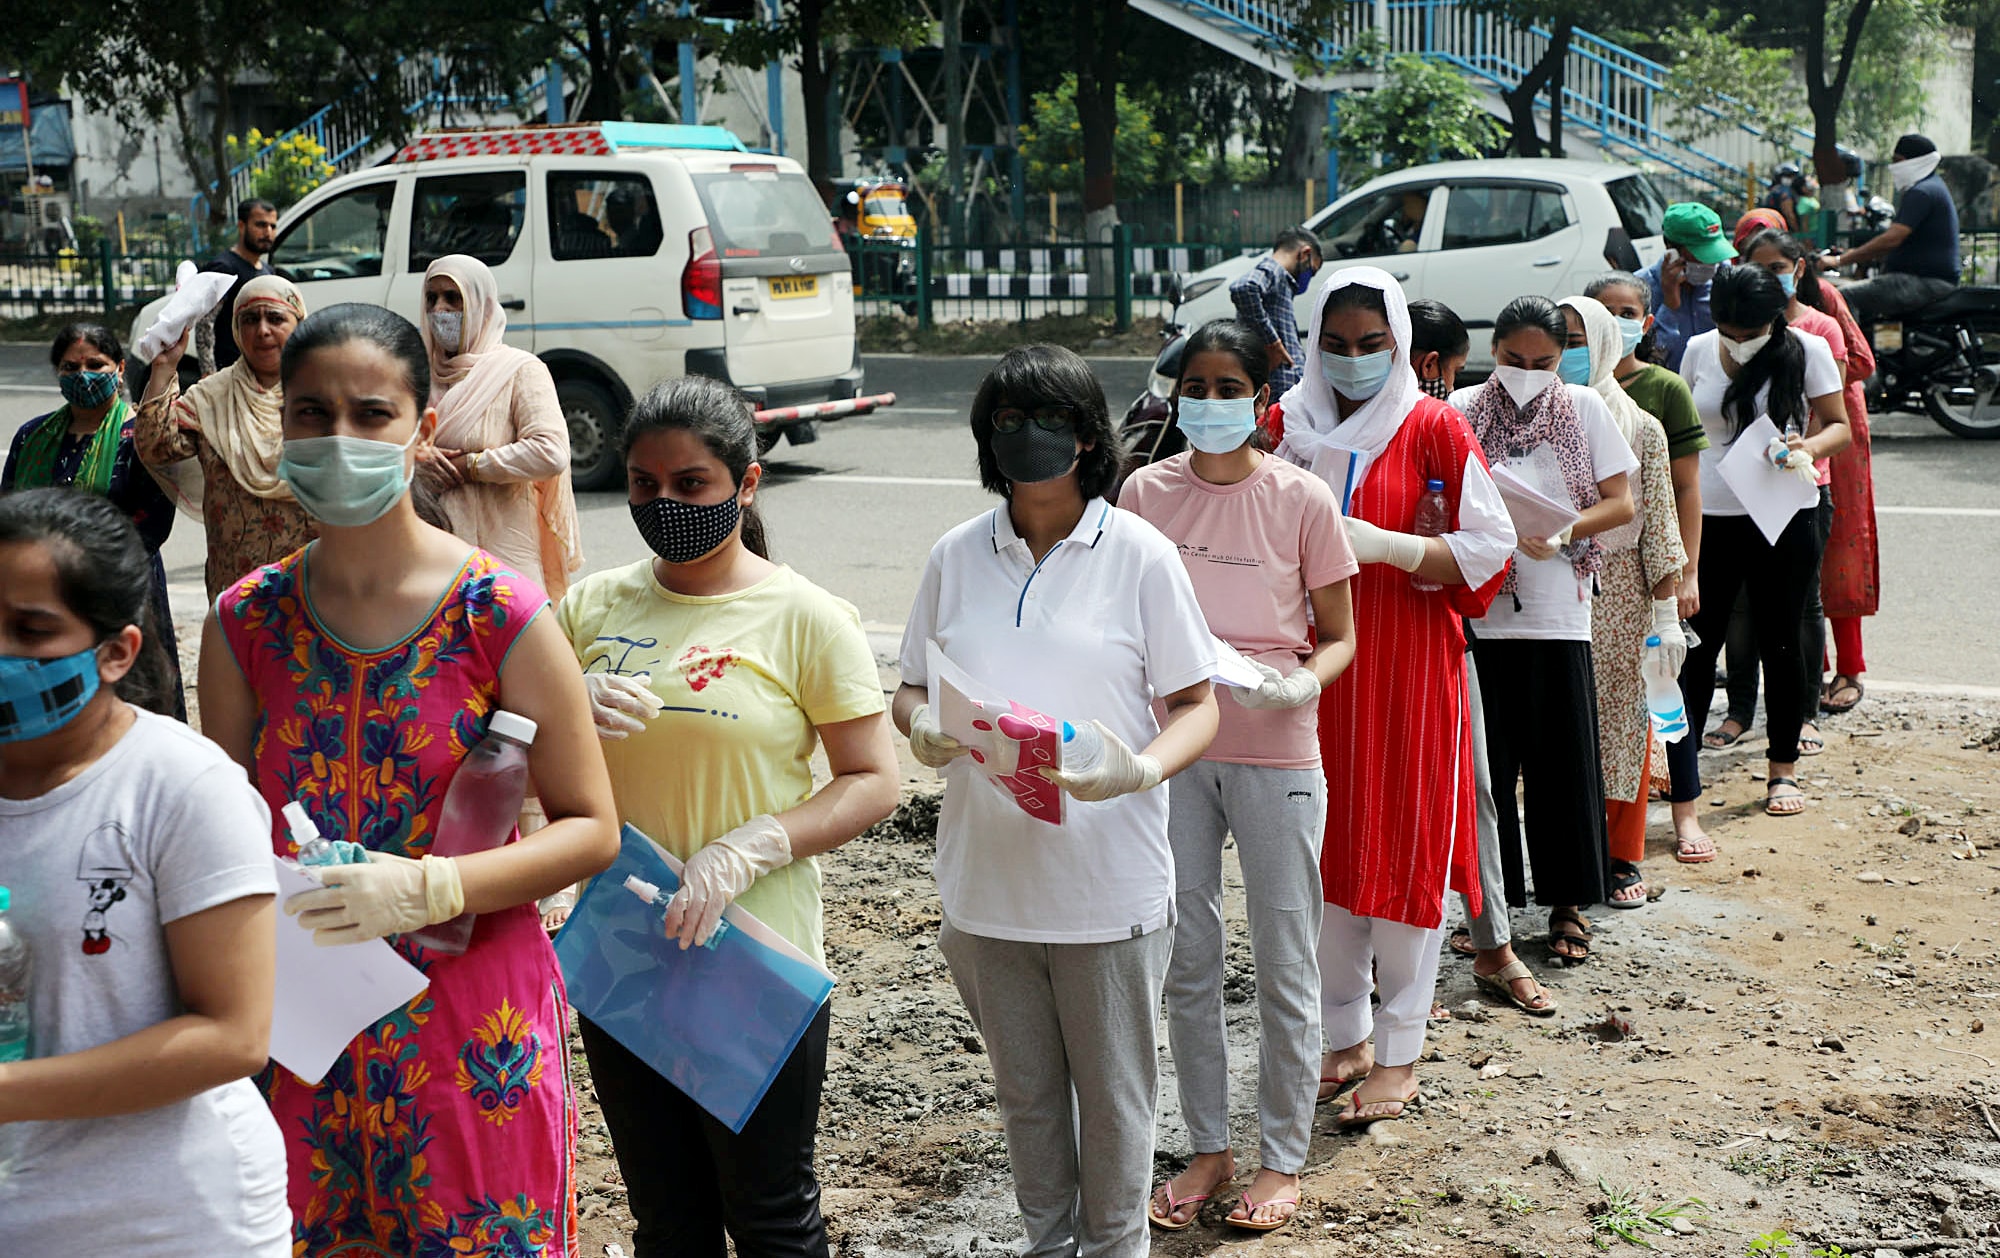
(1790, 1040)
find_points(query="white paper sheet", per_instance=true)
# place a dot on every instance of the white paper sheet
(1233, 668)
(1338, 466)
(1534, 513)
(196, 293)
(1771, 494)
(327, 996)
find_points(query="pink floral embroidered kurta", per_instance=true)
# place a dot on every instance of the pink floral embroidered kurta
(446, 1128)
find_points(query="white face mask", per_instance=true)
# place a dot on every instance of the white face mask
(1909, 170)
(1743, 351)
(448, 329)
(1699, 273)
(1522, 385)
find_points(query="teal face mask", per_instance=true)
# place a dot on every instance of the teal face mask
(1633, 331)
(1575, 367)
(1217, 425)
(346, 481)
(1360, 378)
(1790, 283)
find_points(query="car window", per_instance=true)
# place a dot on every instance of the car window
(755, 213)
(593, 214)
(1639, 205)
(478, 214)
(338, 239)
(1386, 222)
(885, 205)
(1478, 214)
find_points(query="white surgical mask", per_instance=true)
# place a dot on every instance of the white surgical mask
(1699, 273)
(448, 329)
(1909, 170)
(1522, 385)
(1743, 351)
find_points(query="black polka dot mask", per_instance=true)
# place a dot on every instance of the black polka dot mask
(682, 532)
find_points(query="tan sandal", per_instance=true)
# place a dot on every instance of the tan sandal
(1501, 983)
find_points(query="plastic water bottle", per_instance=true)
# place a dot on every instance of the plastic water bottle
(313, 848)
(650, 893)
(15, 971)
(1433, 520)
(1663, 694)
(480, 810)
(1082, 747)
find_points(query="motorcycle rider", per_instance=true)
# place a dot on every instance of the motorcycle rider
(1263, 297)
(1679, 280)
(1919, 251)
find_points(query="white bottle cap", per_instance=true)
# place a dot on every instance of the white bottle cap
(638, 886)
(298, 823)
(511, 725)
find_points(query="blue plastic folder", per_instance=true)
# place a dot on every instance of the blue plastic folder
(718, 1022)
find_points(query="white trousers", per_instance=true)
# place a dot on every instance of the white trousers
(1358, 955)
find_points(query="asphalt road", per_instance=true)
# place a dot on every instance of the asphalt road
(857, 512)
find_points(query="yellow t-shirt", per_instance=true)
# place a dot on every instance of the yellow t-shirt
(746, 678)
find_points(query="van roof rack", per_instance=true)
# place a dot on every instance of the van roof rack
(587, 139)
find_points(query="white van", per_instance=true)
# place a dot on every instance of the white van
(626, 253)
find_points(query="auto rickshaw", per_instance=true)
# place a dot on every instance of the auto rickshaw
(873, 216)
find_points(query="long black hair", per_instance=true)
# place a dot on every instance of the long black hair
(103, 574)
(1032, 376)
(1751, 297)
(358, 321)
(1532, 313)
(717, 414)
(1232, 337)
(1806, 283)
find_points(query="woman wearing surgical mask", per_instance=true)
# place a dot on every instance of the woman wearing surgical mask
(714, 675)
(1057, 921)
(1756, 366)
(1532, 646)
(353, 676)
(499, 461)
(1635, 600)
(137, 869)
(215, 449)
(1395, 730)
(1264, 547)
(87, 443)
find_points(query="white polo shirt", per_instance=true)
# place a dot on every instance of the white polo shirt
(1104, 624)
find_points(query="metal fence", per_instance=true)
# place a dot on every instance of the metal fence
(941, 283)
(95, 280)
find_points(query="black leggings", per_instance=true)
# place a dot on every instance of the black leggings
(687, 1176)
(1741, 653)
(1777, 578)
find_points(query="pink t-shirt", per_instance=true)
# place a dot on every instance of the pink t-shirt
(1253, 550)
(1826, 328)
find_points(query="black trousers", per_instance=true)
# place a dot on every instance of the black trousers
(1741, 651)
(1891, 295)
(1777, 579)
(1540, 701)
(688, 1177)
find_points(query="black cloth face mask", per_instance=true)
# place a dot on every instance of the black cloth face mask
(682, 532)
(1033, 454)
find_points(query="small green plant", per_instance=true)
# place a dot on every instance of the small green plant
(1513, 1201)
(1774, 1244)
(1813, 1163)
(1896, 949)
(1624, 1217)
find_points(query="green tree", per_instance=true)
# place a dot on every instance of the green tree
(1718, 81)
(1052, 142)
(1423, 111)
(1887, 93)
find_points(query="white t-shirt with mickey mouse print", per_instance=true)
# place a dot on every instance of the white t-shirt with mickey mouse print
(161, 827)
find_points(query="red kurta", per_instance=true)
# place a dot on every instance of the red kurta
(1395, 731)
(1850, 576)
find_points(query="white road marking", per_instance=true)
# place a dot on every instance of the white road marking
(842, 478)
(1981, 512)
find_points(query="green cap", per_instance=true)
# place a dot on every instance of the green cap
(1695, 228)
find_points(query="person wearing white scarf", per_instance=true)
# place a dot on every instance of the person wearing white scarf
(1918, 253)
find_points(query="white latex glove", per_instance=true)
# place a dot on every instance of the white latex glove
(1667, 626)
(930, 745)
(1787, 457)
(1278, 690)
(1377, 545)
(389, 895)
(620, 706)
(721, 871)
(1123, 771)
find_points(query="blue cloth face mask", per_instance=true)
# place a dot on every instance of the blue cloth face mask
(346, 481)
(1575, 366)
(1633, 331)
(88, 389)
(1790, 283)
(39, 697)
(1303, 280)
(1217, 425)
(1357, 379)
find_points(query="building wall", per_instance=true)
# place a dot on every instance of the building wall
(1948, 118)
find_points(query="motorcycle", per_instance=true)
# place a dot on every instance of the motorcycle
(1936, 363)
(1147, 429)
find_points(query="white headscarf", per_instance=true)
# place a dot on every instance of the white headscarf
(1312, 417)
(1607, 350)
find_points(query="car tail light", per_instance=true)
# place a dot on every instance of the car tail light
(701, 279)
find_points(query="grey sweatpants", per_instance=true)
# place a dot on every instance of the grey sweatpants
(1072, 1031)
(1490, 929)
(1279, 819)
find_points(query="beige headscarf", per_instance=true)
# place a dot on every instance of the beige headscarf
(242, 421)
(1607, 350)
(473, 392)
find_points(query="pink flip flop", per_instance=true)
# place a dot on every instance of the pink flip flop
(1173, 1207)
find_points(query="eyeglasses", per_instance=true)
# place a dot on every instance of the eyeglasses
(1047, 418)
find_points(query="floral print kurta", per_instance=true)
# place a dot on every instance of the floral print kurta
(1647, 549)
(446, 1130)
